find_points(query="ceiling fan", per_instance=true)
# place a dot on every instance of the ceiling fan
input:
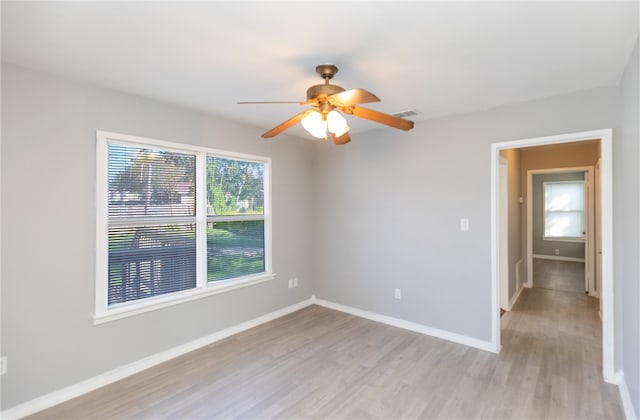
(326, 101)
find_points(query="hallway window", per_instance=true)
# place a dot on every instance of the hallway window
(564, 210)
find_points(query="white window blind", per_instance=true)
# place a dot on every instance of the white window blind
(564, 209)
(152, 243)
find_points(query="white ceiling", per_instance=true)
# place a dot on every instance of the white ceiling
(441, 58)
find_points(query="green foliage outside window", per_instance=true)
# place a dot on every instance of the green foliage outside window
(234, 187)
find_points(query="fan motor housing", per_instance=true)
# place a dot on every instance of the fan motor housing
(323, 90)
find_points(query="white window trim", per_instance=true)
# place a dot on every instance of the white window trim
(102, 312)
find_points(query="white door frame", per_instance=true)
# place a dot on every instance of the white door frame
(589, 256)
(606, 199)
(598, 239)
(503, 256)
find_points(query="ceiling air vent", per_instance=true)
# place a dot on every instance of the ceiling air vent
(408, 113)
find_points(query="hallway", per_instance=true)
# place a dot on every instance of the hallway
(554, 334)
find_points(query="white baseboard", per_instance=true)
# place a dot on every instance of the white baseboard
(91, 384)
(520, 275)
(411, 326)
(627, 405)
(557, 258)
(515, 297)
(520, 284)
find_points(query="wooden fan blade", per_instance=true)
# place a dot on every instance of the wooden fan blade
(343, 139)
(287, 124)
(352, 97)
(380, 117)
(271, 102)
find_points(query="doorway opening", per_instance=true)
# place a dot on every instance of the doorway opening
(602, 238)
(561, 216)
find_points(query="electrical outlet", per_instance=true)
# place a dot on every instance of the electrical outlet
(3, 365)
(290, 283)
(464, 224)
(397, 293)
(295, 282)
(557, 252)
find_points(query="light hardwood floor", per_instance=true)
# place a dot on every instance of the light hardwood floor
(319, 363)
(566, 276)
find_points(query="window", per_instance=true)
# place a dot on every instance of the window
(175, 223)
(564, 210)
(235, 218)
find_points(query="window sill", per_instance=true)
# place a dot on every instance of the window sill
(564, 239)
(134, 308)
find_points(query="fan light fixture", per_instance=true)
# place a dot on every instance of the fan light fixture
(326, 100)
(317, 125)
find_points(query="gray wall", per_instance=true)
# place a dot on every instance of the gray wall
(48, 238)
(388, 208)
(627, 230)
(540, 246)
